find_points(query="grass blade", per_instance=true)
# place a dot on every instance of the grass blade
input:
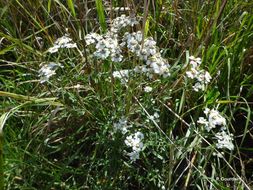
(48, 101)
(71, 7)
(101, 15)
(49, 5)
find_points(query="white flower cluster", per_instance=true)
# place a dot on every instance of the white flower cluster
(135, 142)
(213, 120)
(105, 45)
(155, 117)
(48, 70)
(148, 51)
(92, 38)
(224, 140)
(123, 75)
(122, 22)
(203, 77)
(63, 42)
(122, 126)
(109, 46)
(148, 89)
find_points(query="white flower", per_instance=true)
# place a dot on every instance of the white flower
(193, 73)
(196, 60)
(139, 135)
(116, 57)
(224, 140)
(121, 22)
(62, 42)
(148, 89)
(135, 142)
(138, 36)
(203, 77)
(123, 75)
(154, 117)
(70, 45)
(122, 126)
(194, 64)
(102, 53)
(47, 71)
(158, 65)
(53, 49)
(206, 111)
(108, 46)
(135, 155)
(92, 38)
(213, 120)
(207, 77)
(198, 86)
(203, 121)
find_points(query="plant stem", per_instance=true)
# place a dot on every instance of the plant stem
(1, 162)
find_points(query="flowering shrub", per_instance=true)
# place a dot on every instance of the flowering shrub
(111, 46)
(156, 101)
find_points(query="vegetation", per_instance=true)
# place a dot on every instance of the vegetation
(126, 94)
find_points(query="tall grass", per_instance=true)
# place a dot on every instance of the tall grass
(60, 134)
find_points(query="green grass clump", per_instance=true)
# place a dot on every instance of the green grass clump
(61, 133)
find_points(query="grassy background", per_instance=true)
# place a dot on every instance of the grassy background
(67, 142)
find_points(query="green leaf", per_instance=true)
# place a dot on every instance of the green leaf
(71, 7)
(49, 5)
(101, 15)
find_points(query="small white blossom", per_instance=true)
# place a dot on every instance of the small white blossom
(134, 155)
(62, 42)
(206, 111)
(224, 140)
(207, 77)
(47, 71)
(70, 45)
(155, 117)
(92, 38)
(123, 75)
(193, 73)
(135, 142)
(213, 120)
(203, 77)
(203, 121)
(122, 22)
(110, 46)
(122, 126)
(102, 53)
(53, 49)
(198, 86)
(148, 89)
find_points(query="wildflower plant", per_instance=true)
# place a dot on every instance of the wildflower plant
(201, 77)
(215, 120)
(127, 107)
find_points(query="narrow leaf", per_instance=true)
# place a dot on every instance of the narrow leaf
(101, 15)
(71, 7)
